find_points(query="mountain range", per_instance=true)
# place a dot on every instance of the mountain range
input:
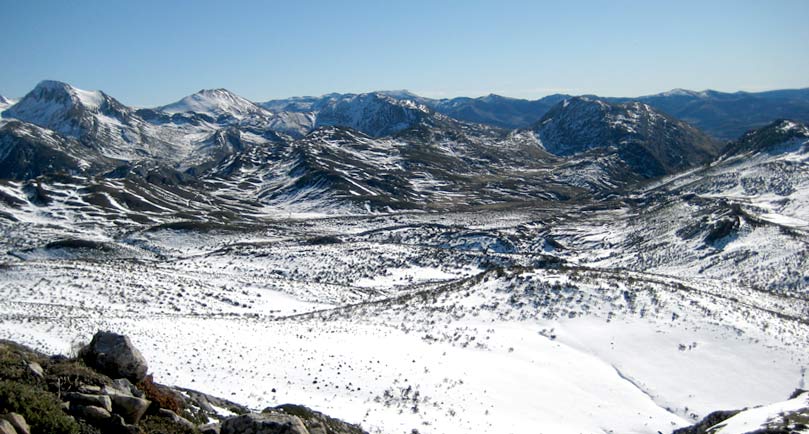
(722, 115)
(374, 255)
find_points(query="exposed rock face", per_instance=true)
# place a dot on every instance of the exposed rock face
(114, 355)
(264, 423)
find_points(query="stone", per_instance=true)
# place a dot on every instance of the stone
(36, 370)
(114, 355)
(264, 423)
(316, 422)
(85, 399)
(124, 386)
(6, 427)
(90, 389)
(210, 428)
(117, 425)
(18, 422)
(131, 408)
(91, 413)
(177, 420)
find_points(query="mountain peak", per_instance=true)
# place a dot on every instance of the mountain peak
(399, 94)
(57, 91)
(649, 142)
(215, 103)
(60, 106)
(778, 136)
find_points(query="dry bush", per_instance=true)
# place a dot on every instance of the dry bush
(159, 395)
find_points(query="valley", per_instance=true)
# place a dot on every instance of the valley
(610, 269)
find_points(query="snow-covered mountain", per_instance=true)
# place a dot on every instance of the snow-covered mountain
(742, 217)
(219, 104)
(376, 114)
(649, 142)
(95, 119)
(729, 115)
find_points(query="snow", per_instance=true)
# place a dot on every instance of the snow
(89, 99)
(753, 419)
(409, 276)
(215, 102)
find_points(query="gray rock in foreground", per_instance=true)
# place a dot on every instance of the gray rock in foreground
(114, 355)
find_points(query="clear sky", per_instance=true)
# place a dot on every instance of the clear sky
(153, 52)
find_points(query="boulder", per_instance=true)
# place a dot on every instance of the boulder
(210, 428)
(114, 355)
(91, 389)
(117, 425)
(35, 370)
(315, 421)
(18, 422)
(6, 427)
(175, 419)
(85, 399)
(122, 386)
(131, 408)
(264, 423)
(91, 413)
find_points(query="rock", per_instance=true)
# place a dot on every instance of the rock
(122, 386)
(177, 420)
(85, 399)
(6, 427)
(264, 423)
(211, 428)
(710, 420)
(18, 422)
(36, 370)
(316, 422)
(90, 389)
(117, 425)
(91, 413)
(131, 408)
(114, 355)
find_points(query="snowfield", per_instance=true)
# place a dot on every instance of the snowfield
(479, 324)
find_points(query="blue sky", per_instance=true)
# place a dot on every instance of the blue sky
(153, 52)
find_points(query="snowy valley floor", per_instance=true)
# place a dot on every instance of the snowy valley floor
(480, 323)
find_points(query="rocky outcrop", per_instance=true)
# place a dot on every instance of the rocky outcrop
(264, 423)
(791, 416)
(316, 422)
(103, 399)
(114, 355)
